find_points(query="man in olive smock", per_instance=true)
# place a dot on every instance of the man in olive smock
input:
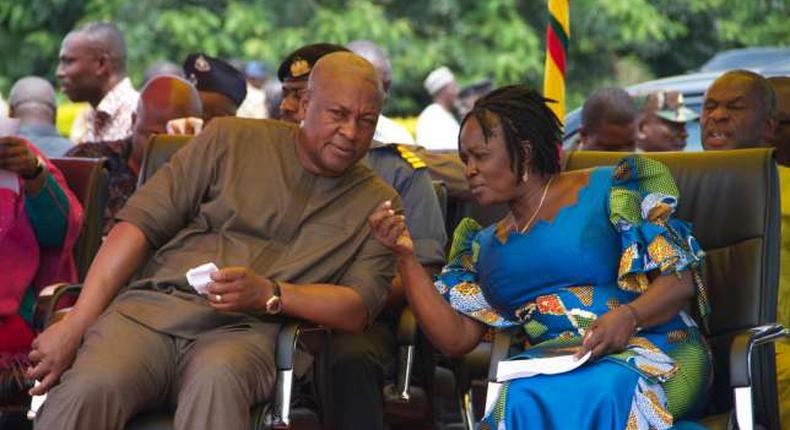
(281, 210)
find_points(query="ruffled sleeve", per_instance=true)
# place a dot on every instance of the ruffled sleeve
(642, 204)
(458, 281)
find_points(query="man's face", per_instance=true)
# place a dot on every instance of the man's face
(339, 121)
(216, 105)
(781, 137)
(80, 69)
(732, 115)
(293, 91)
(657, 134)
(610, 137)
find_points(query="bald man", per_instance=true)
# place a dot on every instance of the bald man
(608, 122)
(282, 210)
(164, 98)
(387, 130)
(738, 112)
(92, 69)
(32, 101)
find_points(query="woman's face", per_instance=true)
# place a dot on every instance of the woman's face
(488, 169)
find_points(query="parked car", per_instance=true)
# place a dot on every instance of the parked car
(766, 61)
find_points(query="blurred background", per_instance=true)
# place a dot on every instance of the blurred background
(613, 42)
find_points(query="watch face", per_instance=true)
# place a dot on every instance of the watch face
(273, 305)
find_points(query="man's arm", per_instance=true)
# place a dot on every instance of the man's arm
(121, 255)
(335, 306)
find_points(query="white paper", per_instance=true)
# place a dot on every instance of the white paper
(199, 277)
(524, 368)
(35, 404)
(9, 180)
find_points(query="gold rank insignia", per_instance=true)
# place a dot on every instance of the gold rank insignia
(201, 64)
(414, 161)
(299, 68)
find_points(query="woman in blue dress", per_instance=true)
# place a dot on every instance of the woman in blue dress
(591, 256)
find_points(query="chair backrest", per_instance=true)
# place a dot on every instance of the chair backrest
(158, 152)
(732, 200)
(89, 181)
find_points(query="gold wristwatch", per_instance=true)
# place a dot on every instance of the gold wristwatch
(274, 304)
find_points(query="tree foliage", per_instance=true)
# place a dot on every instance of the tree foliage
(612, 41)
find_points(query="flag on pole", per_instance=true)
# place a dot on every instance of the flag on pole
(557, 34)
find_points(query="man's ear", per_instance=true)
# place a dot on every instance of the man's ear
(304, 102)
(105, 64)
(640, 125)
(768, 130)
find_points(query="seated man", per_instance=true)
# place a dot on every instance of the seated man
(361, 361)
(163, 99)
(222, 88)
(662, 122)
(32, 101)
(608, 121)
(281, 209)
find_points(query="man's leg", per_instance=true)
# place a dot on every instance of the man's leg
(121, 368)
(359, 364)
(222, 374)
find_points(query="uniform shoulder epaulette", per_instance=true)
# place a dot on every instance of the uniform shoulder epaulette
(414, 161)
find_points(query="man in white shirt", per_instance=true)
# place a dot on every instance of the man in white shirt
(92, 68)
(387, 130)
(437, 128)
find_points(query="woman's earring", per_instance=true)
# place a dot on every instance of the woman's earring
(525, 176)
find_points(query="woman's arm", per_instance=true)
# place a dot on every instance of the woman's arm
(665, 297)
(451, 332)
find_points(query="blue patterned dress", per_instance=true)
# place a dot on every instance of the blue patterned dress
(561, 275)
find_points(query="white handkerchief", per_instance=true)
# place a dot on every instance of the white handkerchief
(35, 403)
(199, 277)
(9, 180)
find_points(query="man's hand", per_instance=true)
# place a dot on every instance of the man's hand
(16, 156)
(52, 353)
(238, 289)
(609, 333)
(390, 229)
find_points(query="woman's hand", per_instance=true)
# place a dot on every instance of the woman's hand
(609, 333)
(16, 156)
(390, 229)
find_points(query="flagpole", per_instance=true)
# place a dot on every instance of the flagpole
(557, 36)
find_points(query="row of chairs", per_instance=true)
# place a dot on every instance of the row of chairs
(732, 198)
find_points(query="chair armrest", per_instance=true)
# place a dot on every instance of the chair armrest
(740, 368)
(406, 336)
(47, 300)
(741, 350)
(285, 352)
(500, 349)
(407, 328)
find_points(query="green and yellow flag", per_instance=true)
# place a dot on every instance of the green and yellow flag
(557, 34)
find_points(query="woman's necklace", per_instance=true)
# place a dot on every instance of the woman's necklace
(540, 205)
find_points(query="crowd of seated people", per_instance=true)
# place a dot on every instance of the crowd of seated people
(327, 213)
